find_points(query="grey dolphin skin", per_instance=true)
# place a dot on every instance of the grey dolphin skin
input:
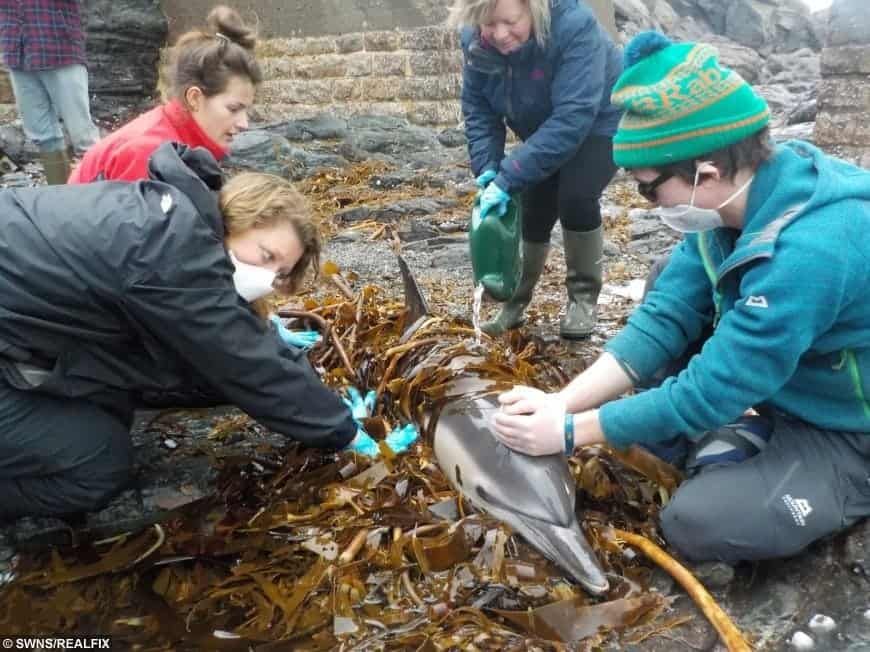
(533, 495)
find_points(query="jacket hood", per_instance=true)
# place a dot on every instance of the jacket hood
(192, 170)
(815, 180)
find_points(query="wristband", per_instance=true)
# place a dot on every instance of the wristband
(569, 434)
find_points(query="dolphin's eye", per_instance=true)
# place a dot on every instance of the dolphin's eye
(458, 474)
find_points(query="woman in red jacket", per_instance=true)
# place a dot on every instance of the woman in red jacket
(211, 79)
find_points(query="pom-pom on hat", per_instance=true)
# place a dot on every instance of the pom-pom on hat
(680, 103)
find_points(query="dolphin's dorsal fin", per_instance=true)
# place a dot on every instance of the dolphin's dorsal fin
(415, 302)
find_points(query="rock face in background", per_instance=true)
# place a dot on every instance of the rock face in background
(763, 25)
(844, 94)
(416, 73)
(394, 58)
(124, 42)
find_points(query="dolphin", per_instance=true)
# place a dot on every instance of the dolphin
(533, 495)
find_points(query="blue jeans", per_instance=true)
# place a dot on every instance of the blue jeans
(45, 97)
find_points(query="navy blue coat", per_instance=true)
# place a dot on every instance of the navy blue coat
(553, 99)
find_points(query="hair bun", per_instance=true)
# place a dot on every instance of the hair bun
(644, 45)
(227, 21)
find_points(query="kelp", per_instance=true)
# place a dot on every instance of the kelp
(308, 550)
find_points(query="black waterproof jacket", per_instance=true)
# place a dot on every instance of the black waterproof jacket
(116, 287)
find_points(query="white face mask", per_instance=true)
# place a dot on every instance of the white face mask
(252, 282)
(691, 219)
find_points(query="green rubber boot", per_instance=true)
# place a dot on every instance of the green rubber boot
(56, 166)
(511, 314)
(584, 252)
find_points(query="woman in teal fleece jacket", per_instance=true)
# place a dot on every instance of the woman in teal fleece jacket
(777, 262)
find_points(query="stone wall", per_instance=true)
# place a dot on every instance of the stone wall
(844, 94)
(409, 73)
(414, 74)
(305, 18)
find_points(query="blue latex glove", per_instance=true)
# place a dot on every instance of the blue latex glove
(363, 444)
(483, 180)
(493, 200)
(361, 408)
(401, 438)
(399, 441)
(301, 339)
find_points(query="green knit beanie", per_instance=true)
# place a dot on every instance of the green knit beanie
(679, 103)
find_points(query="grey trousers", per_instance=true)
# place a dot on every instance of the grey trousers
(45, 97)
(805, 484)
(59, 456)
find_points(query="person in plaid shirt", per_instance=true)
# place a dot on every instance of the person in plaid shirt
(43, 45)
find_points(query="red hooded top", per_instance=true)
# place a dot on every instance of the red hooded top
(123, 155)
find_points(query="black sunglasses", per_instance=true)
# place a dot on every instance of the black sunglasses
(647, 189)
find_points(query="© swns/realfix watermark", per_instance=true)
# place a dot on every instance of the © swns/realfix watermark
(56, 643)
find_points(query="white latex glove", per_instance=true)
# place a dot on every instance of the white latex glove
(531, 421)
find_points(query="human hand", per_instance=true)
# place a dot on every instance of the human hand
(493, 200)
(301, 339)
(483, 180)
(531, 421)
(361, 408)
(401, 438)
(363, 444)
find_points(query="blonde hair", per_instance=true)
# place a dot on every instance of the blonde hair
(253, 199)
(475, 13)
(209, 57)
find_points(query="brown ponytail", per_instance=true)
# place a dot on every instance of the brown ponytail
(207, 58)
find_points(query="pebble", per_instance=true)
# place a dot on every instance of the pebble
(802, 641)
(171, 444)
(822, 623)
(223, 634)
(867, 615)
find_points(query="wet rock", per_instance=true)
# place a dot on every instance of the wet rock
(355, 214)
(381, 135)
(452, 138)
(803, 63)
(266, 151)
(415, 230)
(714, 574)
(856, 550)
(800, 131)
(162, 480)
(124, 39)
(392, 180)
(743, 59)
(844, 93)
(261, 150)
(419, 206)
(783, 27)
(453, 256)
(15, 144)
(805, 111)
(320, 127)
(780, 100)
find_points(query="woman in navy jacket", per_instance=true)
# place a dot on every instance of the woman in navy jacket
(544, 68)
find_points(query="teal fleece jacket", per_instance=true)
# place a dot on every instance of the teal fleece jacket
(789, 296)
